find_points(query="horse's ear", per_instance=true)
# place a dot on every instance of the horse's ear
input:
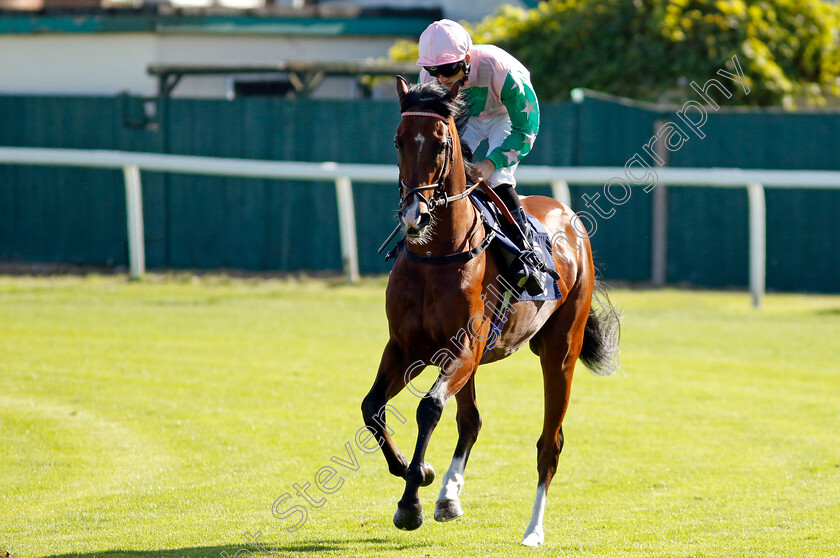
(402, 87)
(454, 90)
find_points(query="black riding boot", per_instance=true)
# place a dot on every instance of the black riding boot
(527, 270)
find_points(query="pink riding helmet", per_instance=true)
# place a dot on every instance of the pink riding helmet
(443, 42)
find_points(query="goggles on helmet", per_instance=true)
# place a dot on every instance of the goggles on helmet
(446, 70)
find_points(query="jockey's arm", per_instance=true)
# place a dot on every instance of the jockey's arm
(520, 100)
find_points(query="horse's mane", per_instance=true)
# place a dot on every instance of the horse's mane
(431, 97)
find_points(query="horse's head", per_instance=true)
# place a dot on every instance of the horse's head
(426, 142)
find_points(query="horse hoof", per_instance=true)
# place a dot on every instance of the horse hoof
(429, 474)
(408, 520)
(534, 538)
(447, 510)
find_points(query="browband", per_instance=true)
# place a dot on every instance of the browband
(418, 113)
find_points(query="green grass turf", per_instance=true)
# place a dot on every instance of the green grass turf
(163, 418)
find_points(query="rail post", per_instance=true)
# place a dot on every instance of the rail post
(347, 228)
(560, 192)
(134, 219)
(758, 243)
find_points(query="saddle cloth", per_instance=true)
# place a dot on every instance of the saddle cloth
(508, 250)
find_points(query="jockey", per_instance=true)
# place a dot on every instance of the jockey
(503, 109)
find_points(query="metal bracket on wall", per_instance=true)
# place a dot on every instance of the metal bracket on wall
(139, 113)
(305, 76)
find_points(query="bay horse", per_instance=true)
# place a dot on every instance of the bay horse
(437, 305)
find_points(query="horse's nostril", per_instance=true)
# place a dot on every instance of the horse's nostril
(424, 219)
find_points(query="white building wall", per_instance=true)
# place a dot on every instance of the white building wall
(111, 63)
(85, 64)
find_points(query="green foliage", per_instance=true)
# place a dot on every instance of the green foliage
(651, 50)
(404, 50)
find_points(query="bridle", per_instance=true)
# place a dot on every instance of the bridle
(439, 198)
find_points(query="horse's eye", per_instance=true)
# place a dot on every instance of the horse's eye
(397, 143)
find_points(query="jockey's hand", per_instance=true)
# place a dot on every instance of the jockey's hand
(484, 169)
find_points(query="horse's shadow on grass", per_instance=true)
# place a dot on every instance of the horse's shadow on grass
(307, 548)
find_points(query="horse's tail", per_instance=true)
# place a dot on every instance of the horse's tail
(600, 351)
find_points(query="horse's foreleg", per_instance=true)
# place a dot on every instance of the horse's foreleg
(409, 515)
(559, 344)
(390, 380)
(448, 505)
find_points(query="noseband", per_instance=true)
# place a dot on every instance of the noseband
(439, 198)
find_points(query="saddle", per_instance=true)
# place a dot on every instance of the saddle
(507, 250)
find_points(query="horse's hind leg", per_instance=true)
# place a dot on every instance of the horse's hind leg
(558, 344)
(448, 504)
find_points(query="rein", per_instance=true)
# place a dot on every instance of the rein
(439, 201)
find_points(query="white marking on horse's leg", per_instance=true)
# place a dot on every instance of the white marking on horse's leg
(453, 480)
(534, 534)
(448, 506)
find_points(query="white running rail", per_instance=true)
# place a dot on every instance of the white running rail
(342, 174)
